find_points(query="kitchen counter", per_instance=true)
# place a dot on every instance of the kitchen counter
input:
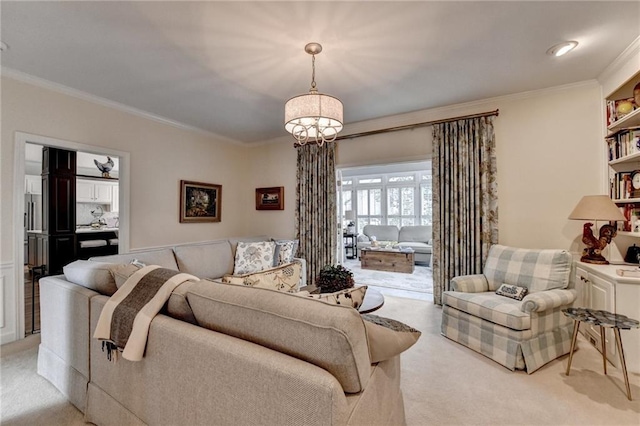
(34, 231)
(90, 230)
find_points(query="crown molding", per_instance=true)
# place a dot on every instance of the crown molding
(79, 94)
(627, 54)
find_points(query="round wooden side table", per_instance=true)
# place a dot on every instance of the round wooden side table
(602, 319)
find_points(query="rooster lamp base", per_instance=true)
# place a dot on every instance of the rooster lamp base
(593, 252)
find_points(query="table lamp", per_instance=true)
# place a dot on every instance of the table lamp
(351, 226)
(596, 207)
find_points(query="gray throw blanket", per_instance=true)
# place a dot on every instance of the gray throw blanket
(126, 317)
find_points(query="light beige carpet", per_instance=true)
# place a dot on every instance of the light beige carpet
(443, 383)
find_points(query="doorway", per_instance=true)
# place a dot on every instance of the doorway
(390, 196)
(24, 296)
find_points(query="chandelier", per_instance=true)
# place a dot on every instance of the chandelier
(313, 116)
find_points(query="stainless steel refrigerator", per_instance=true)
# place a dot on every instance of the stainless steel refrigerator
(32, 217)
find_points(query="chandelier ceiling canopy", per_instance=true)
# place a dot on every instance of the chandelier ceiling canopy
(313, 116)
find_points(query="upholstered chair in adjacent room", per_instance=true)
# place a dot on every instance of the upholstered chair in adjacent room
(519, 334)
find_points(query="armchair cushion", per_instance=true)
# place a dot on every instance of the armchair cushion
(538, 270)
(470, 283)
(550, 299)
(491, 307)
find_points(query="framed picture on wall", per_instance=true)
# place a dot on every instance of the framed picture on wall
(200, 202)
(270, 198)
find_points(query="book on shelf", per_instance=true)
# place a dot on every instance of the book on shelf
(620, 186)
(624, 143)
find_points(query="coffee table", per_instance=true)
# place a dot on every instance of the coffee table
(373, 300)
(390, 260)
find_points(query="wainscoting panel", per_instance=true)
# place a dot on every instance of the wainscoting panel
(8, 304)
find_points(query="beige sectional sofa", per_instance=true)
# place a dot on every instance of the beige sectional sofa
(418, 238)
(218, 354)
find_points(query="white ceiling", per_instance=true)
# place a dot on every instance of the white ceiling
(228, 67)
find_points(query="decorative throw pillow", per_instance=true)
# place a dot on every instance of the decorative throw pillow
(388, 338)
(512, 291)
(122, 272)
(90, 274)
(253, 257)
(283, 278)
(285, 251)
(350, 297)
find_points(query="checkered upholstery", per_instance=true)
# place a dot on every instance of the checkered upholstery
(538, 270)
(518, 334)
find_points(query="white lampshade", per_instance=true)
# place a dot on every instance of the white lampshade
(596, 207)
(348, 215)
(313, 115)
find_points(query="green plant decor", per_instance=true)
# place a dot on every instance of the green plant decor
(334, 278)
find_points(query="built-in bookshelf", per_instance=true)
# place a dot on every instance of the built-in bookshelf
(623, 150)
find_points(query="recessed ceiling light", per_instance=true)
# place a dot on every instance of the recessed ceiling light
(3, 46)
(562, 48)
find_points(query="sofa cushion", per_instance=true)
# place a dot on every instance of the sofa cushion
(417, 247)
(162, 257)
(93, 275)
(387, 337)
(285, 251)
(332, 337)
(491, 307)
(416, 233)
(348, 297)
(234, 241)
(122, 272)
(537, 270)
(283, 278)
(209, 260)
(381, 232)
(253, 257)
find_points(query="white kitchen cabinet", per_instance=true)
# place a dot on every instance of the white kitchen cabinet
(600, 287)
(33, 184)
(90, 191)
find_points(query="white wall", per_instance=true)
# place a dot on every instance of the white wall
(549, 152)
(160, 156)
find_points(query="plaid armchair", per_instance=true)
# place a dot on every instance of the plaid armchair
(518, 334)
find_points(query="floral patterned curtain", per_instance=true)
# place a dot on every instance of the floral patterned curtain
(465, 199)
(316, 214)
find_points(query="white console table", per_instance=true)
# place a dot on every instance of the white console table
(599, 287)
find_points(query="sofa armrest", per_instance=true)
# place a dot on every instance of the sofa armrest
(548, 299)
(303, 272)
(363, 238)
(470, 283)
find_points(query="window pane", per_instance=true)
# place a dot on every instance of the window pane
(346, 200)
(393, 221)
(407, 221)
(426, 176)
(376, 201)
(401, 179)
(407, 202)
(375, 221)
(427, 202)
(370, 180)
(393, 201)
(347, 182)
(363, 202)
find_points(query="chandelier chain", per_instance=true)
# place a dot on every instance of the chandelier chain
(313, 72)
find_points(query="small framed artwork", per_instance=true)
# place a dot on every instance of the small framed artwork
(200, 202)
(270, 198)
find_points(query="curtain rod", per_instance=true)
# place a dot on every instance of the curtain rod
(413, 126)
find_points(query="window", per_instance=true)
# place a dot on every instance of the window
(398, 198)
